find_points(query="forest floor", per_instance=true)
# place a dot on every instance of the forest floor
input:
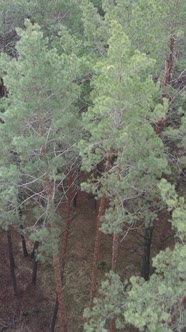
(31, 310)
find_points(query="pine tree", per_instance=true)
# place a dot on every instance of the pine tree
(39, 128)
(156, 305)
(121, 65)
(119, 131)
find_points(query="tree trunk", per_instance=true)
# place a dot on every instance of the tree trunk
(75, 183)
(67, 224)
(114, 251)
(96, 250)
(113, 268)
(169, 62)
(59, 286)
(145, 271)
(12, 262)
(25, 252)
(54, 317)
(112, 325)
(74, 201)
(56, 264)
(35, 263)
(64, 244)
(97, 239)
(167, 76)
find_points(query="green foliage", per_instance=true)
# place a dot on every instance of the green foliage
(99, 58)
(157, 304)
(177, 205)
(119, 124)
(51, 15)
(114, 126)
(107, 306)
(39, 122)
(152, 303)
(12, 15)
(145, 22)
(9, 176)
(95, 29)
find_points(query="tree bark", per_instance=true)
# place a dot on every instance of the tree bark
(75, 183)
(114, 250)
(64, 244)
(59, 293)
(169, 62)
(54, 317)
(25, 252)
(112, 325)
(101, 211)
(56, 263)
(35, 263)
(96, 250)
(11, 261)
(113, 268)
(67, 224)
(160, 125)
(145, 270)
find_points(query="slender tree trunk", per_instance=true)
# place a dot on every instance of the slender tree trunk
(113, 268)
(97, 239)
(168, 68)
(169, 62)
(114, 250)
(54, 317)
(115, 254)
(11, 261)
(56, 267)
(112, 325)
(67, 224)
(74, 201)
(56, 263)
(75, 178)
(96, 250)
(167, 76)
(145, 271)
(59, 286)
(164, 216)
(64, 244)
(25, 252)
(35, 263)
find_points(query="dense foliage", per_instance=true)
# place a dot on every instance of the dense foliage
(98, 88)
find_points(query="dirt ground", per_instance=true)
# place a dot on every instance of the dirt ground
(31, 310)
